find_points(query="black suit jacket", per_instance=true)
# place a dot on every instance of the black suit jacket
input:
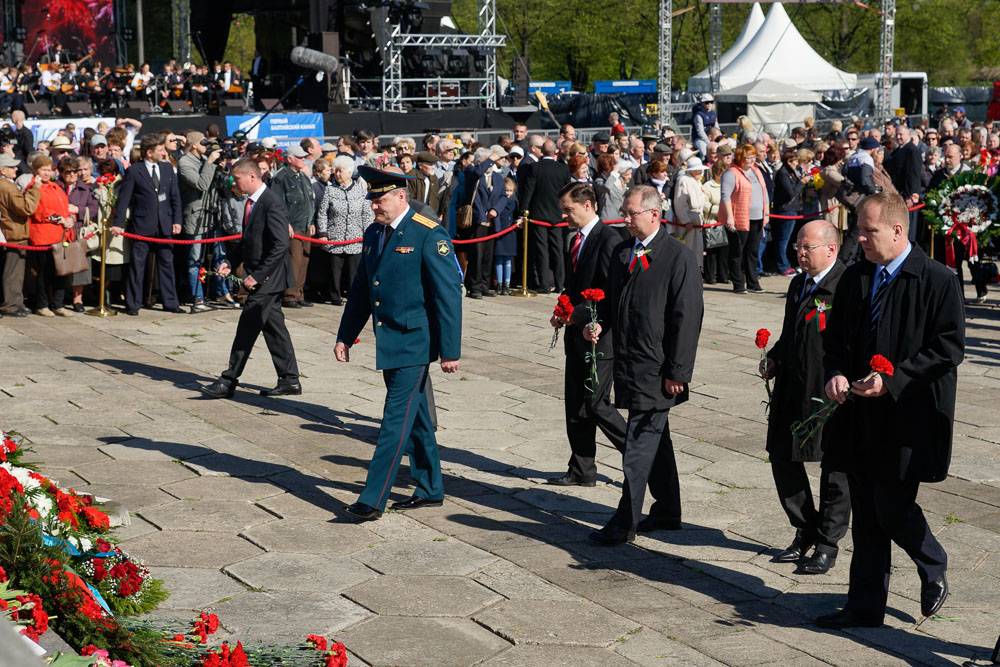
(655, 316)
(539, 195)
(263, 250)
(798, 372)
(906, 167)
(591, 272)
(153, 210)
(905, 434)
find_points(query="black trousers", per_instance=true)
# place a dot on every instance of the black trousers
(338, 262)
(137, 272)
(743, 247)
(827, 525)
(850, 248)
(45, 277)
(480, 255)
(885, 511)
(546, 256)
(586, 412)
(649, 459)
(262, 314)
(716, 265)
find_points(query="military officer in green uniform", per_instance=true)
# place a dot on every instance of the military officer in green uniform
(407, 284)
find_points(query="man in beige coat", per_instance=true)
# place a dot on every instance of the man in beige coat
(15, 209)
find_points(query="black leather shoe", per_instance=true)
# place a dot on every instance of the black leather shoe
(932, 595)
(290, 304)
(19, 313)
(306, 304)
(415, 502)
(220, 389)
(846, 618)
(283, 389)
(569, 480)
(134, 312)
(489, 293)
(651, 523)
(78, 308)
(611, 535)
(795, 552)
(818, 563)
(363, 512)
(474, 295)
(176, 310)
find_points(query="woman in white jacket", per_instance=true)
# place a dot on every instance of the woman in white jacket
(689, 202)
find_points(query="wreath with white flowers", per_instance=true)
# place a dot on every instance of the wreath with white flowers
(968, 199)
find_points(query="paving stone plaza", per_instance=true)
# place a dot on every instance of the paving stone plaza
(237, 504)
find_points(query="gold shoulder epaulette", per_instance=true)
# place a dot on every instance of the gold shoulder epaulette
(424, 220)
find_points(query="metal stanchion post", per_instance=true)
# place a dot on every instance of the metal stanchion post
(841, 214)
(102, 310)
(930, 230)
(524, 264)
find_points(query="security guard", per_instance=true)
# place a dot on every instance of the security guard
(408, 285)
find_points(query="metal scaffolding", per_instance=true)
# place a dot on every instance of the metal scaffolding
(715, 44)
(181, 21)
(665, 62)
(883, 85)
(485, 43)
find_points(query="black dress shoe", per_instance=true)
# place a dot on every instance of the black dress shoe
(846, 618)
(795, 552)
(290, 304)
(283, 389)
(306, 304)
(611, 535)
(819, 563)
(932, 595)
(569, 480)
(78, 308)
(415, 502)
(474, 295)
(19, 313)
(489, 293)
(220, 389)
(363, 512)
(651, 523)
(337, 302)
(176, 310)
(134, 312)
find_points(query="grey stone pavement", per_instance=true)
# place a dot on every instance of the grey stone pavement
(233, 499)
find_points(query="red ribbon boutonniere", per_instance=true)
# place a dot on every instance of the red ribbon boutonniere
(639, 260)
(819, 314)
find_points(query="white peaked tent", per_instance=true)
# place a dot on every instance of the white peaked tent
(702, 82)
(773, 106)
(780, 53)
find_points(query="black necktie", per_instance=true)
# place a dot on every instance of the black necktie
(386, 235)
(156, 178)
(877, 303)
(807, 290)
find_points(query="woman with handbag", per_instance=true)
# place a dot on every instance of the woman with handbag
(716, 240)
(83, 208)
(50, 225)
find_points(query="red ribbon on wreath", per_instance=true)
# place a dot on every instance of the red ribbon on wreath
(965, 236)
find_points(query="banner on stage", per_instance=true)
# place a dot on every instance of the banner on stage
(46, 129)
(290, 127)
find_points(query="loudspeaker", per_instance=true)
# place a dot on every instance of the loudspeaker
(126, 112)
(80, 109)
(176, 107)
(139, 106)
(267, 102)
(37, 109)
(231, 108)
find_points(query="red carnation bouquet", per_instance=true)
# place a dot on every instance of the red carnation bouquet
(807, 428)
(204, 273)
(592, 297)
(763, 335)
(562, 312)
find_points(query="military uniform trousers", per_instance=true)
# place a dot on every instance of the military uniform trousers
(586, 412)
(406, 429)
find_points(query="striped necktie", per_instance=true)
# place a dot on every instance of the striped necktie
(877, 300)
(574, 251)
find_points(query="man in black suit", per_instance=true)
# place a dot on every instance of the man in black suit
(587, 264)
(150, 191)
(539, 195)
(267, 273)
(905, 168)
(897, 430)
(796, 364)
(661, 153)
(654, 308)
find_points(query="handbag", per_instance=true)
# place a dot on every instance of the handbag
(463, 216)
(715, 237)
(88, 233)
(70, 257)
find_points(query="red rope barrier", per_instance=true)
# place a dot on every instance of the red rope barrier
(484, 238)
(25, 247)
(149, 239)
(800, 217)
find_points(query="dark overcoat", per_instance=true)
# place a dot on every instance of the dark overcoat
(905, 434)
(798, 367)
(655, 316)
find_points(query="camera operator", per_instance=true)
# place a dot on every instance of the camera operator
(197, 167)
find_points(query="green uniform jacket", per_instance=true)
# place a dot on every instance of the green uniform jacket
(413, 295)
(296, 193)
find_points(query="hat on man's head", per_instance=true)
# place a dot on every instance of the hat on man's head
(8, 161)
(708, 97)
(270, 143)
(649, 134)
(98, 140)
(61, 142)
(327, 147)
(516, 150)
(868, 143)
(724, 149)
(297, 151)
(602, 137)
(663, 148)
(381, 182)
(427, 157)
(959, 109)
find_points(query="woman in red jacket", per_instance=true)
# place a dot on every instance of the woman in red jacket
(50, 221)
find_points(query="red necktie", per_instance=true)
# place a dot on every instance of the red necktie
(246, 210)
(574, 251)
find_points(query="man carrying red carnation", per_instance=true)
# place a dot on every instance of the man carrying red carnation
(654, 308)
(587, 264)
(897, 431)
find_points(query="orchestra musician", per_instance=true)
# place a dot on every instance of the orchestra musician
(50, 87)
(10, 98)
(226, 82)
(198, 87)
(143, 85)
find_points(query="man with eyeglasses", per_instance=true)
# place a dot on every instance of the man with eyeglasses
(654, 308)
(796, 364)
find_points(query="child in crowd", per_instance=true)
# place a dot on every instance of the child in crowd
(506, 246)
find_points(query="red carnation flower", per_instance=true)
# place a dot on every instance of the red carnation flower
(593, 294)
(357, 340)
(882, 365)
(3, 575)
(318, 642)
(238, 657)
(103, 546)
(89, 650)
(763, 335)
(202, 274)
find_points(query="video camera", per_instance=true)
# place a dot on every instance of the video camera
(227, 149)
(7, 136)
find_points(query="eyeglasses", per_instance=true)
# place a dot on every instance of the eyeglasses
(807, 248)
(632, 214)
